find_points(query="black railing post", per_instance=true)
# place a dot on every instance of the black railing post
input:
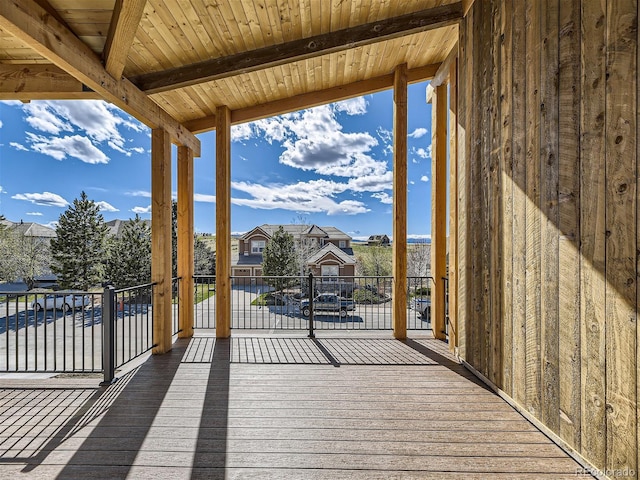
(108, 334)
(446, 306)
(311, 334)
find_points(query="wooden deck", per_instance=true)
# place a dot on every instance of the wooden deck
(285, 408)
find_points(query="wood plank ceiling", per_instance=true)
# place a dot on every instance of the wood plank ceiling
(190, 56)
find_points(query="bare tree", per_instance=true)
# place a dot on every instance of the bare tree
(304, 246)
(419, 259)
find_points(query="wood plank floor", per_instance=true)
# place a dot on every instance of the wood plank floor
(275, 408)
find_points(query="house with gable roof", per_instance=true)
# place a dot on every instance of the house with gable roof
(329, 250)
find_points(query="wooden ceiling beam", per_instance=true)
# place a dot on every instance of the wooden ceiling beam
(312, 99)
(442, 75)
(301, 49)
(41, 82)
(124, 24)
(30, 23)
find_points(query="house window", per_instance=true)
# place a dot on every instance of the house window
(343, 244)
(257, 246)
(329, 271)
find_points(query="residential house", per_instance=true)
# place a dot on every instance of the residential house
(327, 249)
(378, 240)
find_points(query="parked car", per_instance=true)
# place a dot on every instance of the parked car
(328, 302)
(422, 306)
(61, 302)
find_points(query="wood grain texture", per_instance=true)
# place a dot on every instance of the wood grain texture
(161, 239)
(185, 241)
(495, 201)
(463, 137)
(40, 82)
(519, 203)
(223, 223)
(298, 49)
(312, 99)
(438, 209)
(533, 247)
(399, 266)
(569, 222)
(60, 46)
(549, 235)
(592, 226)
(124, 25)
(453, 205)
(621, 227)
(507, 193)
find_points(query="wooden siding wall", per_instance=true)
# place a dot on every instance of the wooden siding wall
(548, 215)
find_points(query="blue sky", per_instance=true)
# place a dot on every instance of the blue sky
(329, 165)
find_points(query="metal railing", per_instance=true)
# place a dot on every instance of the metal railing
(278, 303)
(51, 332)
(204, 301)
(101, 331)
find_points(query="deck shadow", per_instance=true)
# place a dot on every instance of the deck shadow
(110, 450)
(210, 456)
(445, 362)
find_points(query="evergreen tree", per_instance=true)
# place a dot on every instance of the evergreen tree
(129, 260)
(80, 245)
(279, 259)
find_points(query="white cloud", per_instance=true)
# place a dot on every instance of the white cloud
(307, 197)
(140, 210)
(372, 183)
(19, 146)
(98, 120)
(318, 144)
(424, 178)
(200, 197)
(45, 198)
(43, 117)
(35, 214)
(139, 193)
(383, 197)
(2, 190)
(386, 137)
(242, 131)
(53, 224)
(418, 132)
(411, 182)
(0, 123)
(422, 153)
(313, 140)
(106, 207)
(352, 106)
(74, 146)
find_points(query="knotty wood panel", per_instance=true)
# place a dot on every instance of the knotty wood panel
(556, 194)
(621, 224)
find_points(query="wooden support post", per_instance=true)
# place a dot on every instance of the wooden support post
(438, 209)
(399, 305)
(453, 205)
(161, 239)
(223, 222)
(185, 240)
